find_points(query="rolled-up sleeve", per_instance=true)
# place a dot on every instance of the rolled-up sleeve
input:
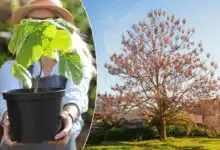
(78, 94)
(7, 82)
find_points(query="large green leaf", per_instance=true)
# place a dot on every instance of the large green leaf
(20, 34)
(22, 73)
(45, 43)
(48, 52)
(18, 38)
(70, 67)
(62, 41)
(50, 31)
(31, 51)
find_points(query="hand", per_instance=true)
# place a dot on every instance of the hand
(63, 137)
(6, 137)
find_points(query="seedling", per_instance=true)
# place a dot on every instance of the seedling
(33, 39)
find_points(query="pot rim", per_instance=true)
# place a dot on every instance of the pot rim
(16, 91)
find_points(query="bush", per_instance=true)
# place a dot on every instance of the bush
(213, 133)
(198, 132)
(118, 134)
(176, 131)
(95, 139)
(149, 133)
(130, 134)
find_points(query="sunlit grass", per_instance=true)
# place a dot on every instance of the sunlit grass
(169, 144)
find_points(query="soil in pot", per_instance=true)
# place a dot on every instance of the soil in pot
(34, 117)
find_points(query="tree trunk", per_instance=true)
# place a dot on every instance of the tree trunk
(203, 119)
(162, 122)
(162, 128)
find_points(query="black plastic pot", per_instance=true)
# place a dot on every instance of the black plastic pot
(34, 117)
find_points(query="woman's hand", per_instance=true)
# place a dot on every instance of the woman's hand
(6, 136)
(63, 137)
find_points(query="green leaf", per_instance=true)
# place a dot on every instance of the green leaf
(50, 31)
(13, 41)
(64, 25)
(70, 67)
(20, 34)
(62, 41)
(23, 74)
(31, 51)
(45, 43)
(18, 38)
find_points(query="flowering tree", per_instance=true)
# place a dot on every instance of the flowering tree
(204, 108)
(163, 66)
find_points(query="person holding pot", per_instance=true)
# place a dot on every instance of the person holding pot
(75, 101)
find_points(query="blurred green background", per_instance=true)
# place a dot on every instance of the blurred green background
(81, 21)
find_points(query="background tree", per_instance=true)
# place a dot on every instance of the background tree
(204, 108)
(110, 109)
(163, 65)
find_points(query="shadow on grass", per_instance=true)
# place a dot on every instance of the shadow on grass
(191, 148)
(143, 148)
(172, 147)
(148, 146)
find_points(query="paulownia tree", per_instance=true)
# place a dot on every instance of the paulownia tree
(163, 66)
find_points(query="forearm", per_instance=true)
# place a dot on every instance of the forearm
(73, 110)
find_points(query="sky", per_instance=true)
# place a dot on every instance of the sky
(109, 19)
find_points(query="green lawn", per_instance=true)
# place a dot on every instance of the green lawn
(170, 144)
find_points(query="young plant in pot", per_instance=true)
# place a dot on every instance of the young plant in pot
(34, 111)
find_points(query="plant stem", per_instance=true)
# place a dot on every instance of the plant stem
(36, 84)
(36, 80)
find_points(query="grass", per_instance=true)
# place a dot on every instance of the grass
(170, 144)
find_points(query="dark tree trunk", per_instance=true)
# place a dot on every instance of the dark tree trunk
(203, 119)
(162, 128)
(162, 122)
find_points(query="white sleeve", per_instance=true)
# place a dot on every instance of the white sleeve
(78, 94)
(7, 82)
